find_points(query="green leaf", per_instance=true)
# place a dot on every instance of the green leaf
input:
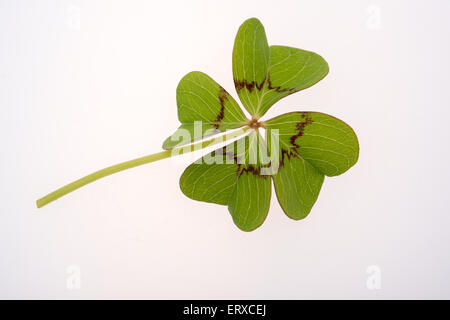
(232, 175)
(201, 99)
(291, 70)
(327, 143)
(210, 182)
(250, 63)
(250, 200)
(311, 145)
(297, 186)
(264, 75)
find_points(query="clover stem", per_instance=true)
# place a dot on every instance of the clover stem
(134, 163)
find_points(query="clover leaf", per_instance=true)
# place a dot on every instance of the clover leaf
(263, 75)
(201, 99)
(298, 150)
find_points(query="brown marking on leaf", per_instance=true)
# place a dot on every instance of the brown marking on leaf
(223, 96)
(251, 169)
(279, 89)
(300, 126)
(232, 156)
(286, 153)
(240, 84)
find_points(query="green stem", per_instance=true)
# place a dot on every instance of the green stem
(134, 163)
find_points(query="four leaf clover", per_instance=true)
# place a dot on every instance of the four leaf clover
(311, 144)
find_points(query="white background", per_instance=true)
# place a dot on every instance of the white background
(86, 84)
